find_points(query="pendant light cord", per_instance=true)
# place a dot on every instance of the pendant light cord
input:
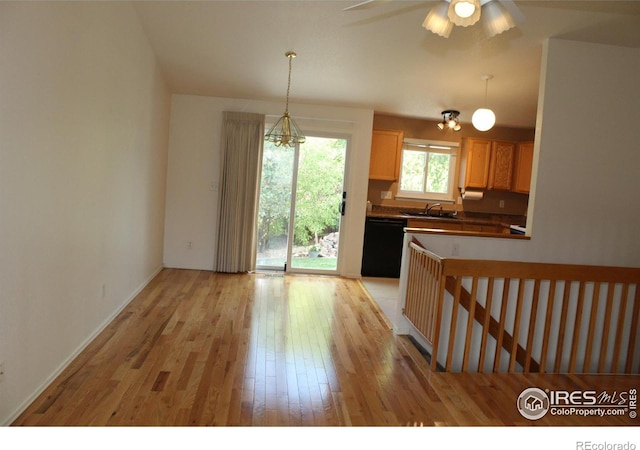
(289, 55)
(486, 79)
(486, 88)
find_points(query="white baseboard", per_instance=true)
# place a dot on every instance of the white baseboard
(25, 404)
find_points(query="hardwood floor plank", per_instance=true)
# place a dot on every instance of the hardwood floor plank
(202, 348)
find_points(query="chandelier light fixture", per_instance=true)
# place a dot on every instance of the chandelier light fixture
(447, 13)
(449, 120)
(483, 119)
(285, 132)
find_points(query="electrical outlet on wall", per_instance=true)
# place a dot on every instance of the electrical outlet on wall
(385, 195)
(501, 203)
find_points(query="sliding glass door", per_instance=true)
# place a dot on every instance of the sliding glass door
(301, 205)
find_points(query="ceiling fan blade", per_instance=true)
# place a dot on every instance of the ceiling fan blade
(358, 5)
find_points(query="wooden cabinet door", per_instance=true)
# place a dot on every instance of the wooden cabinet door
(522, 172)
(502, 159)
(478, 153)
(386, 151)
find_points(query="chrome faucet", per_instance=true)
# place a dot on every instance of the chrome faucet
(427, 209)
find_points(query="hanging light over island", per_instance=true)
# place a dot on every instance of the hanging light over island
(483, 119)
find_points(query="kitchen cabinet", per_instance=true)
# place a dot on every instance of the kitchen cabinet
(478, 159)
(488, 164)
(522, 168)
(501, 166)
(386, 153)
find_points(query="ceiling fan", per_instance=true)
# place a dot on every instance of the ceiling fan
(497, 15)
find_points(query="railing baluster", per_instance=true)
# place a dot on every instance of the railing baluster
(532, 325)
(563, 325)
(516, 326)
(606, 328)
(470, 320)
(485, 325)
(503, 317)
(575, 340)
(593, 315)
(438, 316)
(615, 364)
(453, 324)
(551, 300)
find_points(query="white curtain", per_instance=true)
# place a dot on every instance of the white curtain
(242, 142)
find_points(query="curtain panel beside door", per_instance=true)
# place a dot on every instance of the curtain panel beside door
(242, 143)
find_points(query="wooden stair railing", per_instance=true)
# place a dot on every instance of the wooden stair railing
(491, 327)
(546, 317)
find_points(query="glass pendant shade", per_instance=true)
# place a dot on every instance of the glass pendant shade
(464, 12)
(496, 18)
(285, 132)
(437, 20)
(483, 119)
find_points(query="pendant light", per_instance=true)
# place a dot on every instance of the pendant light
(483, 119)
(285, 132)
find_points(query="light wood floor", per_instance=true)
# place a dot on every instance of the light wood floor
(201, 348)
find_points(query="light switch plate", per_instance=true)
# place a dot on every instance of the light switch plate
(385, 195)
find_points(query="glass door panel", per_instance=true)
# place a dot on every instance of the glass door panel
(274, 207)
(318, 196)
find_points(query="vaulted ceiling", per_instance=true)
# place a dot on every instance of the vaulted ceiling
(376, 56)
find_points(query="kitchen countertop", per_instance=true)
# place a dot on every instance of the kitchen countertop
(397, 213)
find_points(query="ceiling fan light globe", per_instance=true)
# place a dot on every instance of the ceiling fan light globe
(483, 119)
(470, 8)
(437, 20)
(464, 9)
(496, 18)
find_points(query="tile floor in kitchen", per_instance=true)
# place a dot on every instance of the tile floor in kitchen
(385, 292)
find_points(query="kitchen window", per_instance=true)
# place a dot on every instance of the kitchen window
(428, 170)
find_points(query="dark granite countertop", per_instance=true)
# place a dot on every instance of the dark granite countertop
(461, 217)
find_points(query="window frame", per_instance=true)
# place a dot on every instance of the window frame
(431, 146)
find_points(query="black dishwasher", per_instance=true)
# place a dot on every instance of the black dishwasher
(382, 253)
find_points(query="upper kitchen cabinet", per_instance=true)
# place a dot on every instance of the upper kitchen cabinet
(386, 151)
(478, 158)
(523, 165)
(501, 167)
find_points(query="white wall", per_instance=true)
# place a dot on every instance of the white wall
(194, 167)
(83, 152)
(585, 208)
